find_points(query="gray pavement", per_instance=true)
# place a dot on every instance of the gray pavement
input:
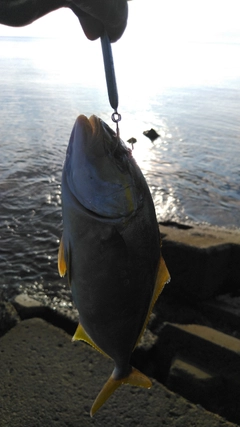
(45, 380)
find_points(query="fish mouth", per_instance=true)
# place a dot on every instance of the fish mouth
(92, 125)
(97, 136)
(95, 124)
(101, 131)
(100, 171)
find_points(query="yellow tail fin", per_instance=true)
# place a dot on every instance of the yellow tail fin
(134, 378)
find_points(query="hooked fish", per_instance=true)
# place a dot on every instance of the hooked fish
(110, 248)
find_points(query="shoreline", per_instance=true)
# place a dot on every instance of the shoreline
(200, 235)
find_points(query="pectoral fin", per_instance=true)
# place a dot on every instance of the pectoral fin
(62, 266)
(162, 278)
(135, 378)
(81, 335)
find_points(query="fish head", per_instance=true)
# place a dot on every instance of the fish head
(100, 170)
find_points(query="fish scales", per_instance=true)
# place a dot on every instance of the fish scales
(111, 246)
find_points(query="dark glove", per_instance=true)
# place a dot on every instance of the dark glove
(93, 15)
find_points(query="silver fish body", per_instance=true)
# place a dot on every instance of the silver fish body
(110, 247)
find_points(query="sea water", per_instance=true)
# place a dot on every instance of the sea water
(193, 168)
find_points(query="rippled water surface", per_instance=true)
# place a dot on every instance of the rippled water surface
(193, 169)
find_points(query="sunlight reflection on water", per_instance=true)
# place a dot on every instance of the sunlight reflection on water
(192, 169)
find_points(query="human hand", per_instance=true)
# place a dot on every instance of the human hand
(94, 15)
(97, 15)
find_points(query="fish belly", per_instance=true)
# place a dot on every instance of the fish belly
(113, 269)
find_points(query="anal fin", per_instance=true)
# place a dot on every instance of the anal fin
(81, 335)
(135, 378)
(162, 278)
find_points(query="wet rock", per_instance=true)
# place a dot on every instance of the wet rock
(151, 134)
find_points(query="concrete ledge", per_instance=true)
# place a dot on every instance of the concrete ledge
(199, 236)
(48, 381)
(216, 351)
(203, 261)
(211, 355)
(196, 384)
(224, 309)
(8, 317)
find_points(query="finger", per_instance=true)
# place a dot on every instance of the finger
(92, 27)
(109, 14)
(17, 13)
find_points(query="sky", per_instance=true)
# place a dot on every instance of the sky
(157, 43)
(171, 20)
(155, 52)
